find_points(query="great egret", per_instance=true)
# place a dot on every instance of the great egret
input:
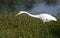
(44, 17)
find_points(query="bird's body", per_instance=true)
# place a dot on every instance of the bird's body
(47, 18)
(44, 17)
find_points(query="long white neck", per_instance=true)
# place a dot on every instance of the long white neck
(32, 15)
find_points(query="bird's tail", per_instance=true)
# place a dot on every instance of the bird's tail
(55, 19)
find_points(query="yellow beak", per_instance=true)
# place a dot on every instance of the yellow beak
(17, 14)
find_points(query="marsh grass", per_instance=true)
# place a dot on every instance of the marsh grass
(24, 26)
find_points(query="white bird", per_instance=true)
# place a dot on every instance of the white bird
(44, 17)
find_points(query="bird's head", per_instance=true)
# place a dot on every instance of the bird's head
(20, 13)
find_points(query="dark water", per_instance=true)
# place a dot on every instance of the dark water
(38, 8)
(42, 7)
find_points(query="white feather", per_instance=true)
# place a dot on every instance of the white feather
(43, 17)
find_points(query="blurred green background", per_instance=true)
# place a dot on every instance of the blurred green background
(24, 26)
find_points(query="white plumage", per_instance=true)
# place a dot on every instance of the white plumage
(43, 17)
(47, 18)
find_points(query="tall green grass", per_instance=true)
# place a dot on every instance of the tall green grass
(24, 26)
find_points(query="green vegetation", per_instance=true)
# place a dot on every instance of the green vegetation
(24, 26)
